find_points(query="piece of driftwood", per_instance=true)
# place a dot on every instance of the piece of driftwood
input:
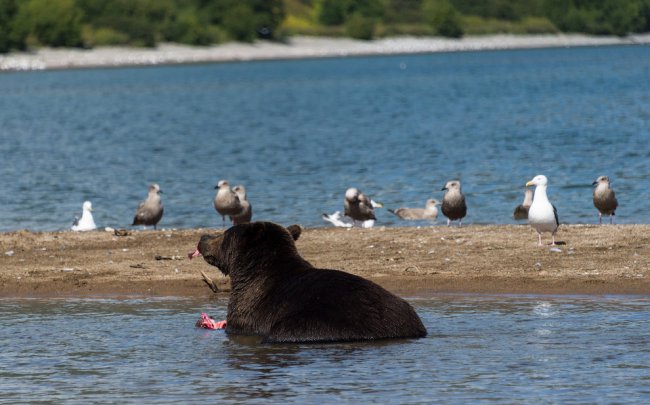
(209, 282)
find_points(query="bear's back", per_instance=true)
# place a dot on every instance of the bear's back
(320, 305)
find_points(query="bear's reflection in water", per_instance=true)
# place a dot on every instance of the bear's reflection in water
(285, 371)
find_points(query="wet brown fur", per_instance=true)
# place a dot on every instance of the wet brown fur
(280, 296)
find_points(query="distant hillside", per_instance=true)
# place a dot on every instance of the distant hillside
(88, 23)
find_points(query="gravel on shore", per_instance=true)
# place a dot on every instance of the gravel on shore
(293, 48)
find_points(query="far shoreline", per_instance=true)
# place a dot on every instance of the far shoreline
(294, 48)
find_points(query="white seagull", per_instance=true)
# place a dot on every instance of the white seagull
(86, 223)
(542, 215)
(336, 220)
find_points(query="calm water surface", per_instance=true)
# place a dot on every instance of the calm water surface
(505, 349)
(298, 133)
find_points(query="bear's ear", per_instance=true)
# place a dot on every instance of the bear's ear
(295, 230)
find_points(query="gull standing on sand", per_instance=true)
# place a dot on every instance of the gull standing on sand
(246, 208)
(86, 223)
(453, 203)
(542, 215)
(521, 211)
(430, 211)
(150, 211)
(226, 201)
(604, 199)
(359, 207)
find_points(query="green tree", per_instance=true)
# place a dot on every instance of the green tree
(244, 20)
(332, 12)
(600, 17)
(443, 17)
(187, 28)
(240, 23)
(8, 9)
(403, 11)
(644, 14)
(49, 22)
(360, 26)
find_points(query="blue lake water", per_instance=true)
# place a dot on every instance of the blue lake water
(298, 133)
(480, 349)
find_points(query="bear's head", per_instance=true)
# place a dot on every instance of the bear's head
(249, 245)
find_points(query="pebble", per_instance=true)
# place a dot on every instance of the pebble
(9, 253)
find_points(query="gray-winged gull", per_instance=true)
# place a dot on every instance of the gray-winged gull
(453, 203)
(246, 208)
(521, 211)
(604, 199)
(430, 211)
(150, 211)
(226, 201)
(359, 207)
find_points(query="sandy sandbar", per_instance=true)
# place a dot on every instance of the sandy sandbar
(409, 261)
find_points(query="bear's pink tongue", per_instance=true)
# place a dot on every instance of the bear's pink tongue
(194, 254)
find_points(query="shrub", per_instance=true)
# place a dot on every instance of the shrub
(49, 22)
(187, 29)
(106, 37)
(8, 9)
(444, 18)
(360, 27)
(240, 23)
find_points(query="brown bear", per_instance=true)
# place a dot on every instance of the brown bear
(279, 296)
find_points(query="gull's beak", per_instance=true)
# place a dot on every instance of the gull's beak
(594, 183)
(530, 183)
(443, 189)
(376, 204)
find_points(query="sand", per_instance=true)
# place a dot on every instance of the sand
(293, 48)
(409, 261)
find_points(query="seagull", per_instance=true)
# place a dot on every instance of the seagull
(542, 215)
(453, 203)
(430, 211)
(335, 219)
(521, 211)
(150, 211)
(360, 207)
(246, 207)
(604, 199)
(86, 223)
(226, 201)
